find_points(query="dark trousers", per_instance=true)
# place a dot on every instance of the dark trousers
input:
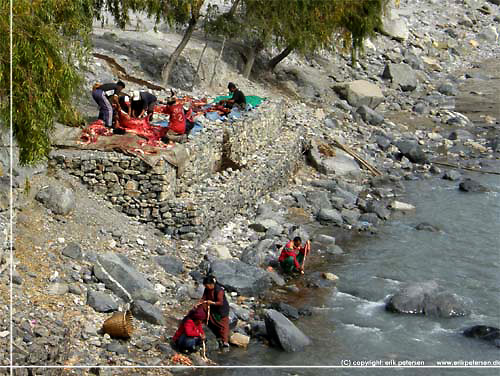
(220, 327)
(105, 108)
(189, 126)
(188, 343)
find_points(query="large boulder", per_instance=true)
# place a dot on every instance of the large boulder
(318, 200)
(395, 27)
(101, 301)
(238, 276)
(170, 264)
(428, 299)
(259, 254)
(370, 116)
(283, 333)
(330, 216)
(289, 311)
(59, 199)
(411, 150)
(342, 164)
(401, 75)
(486, 333)
(359, 93)
(118, 274)
(145, 311)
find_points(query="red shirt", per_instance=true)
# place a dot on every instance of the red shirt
(189, 328)
(177, 122)
(291, 247)
(287, 253)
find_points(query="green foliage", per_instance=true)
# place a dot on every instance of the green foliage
(49, 36)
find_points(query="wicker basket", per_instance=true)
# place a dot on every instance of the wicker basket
(119, 325)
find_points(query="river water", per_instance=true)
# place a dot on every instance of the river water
(350, 322)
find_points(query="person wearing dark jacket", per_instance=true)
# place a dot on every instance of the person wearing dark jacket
(218, 320)
(143, 104)
(102, 94)
(190, 334)
(237, 98)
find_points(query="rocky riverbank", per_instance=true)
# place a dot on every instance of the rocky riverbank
(406, 104)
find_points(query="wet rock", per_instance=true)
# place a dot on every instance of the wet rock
(124, 276)
(330, 276)
(350, 216)
(59, 199)
(330, 216)
(316, 280)
(379, 208)
(283, 333)
(170, 264)
(101, 301)
(371, 218)
(469, 185)
(258, 329)
(239, 340)
(411, 150)
(242, 313)
(428, 299)
(424, 226)
(289, 311)
(370, 116)
(145, 311)
(401, 206)
(325, 239)
(359, 93)
(452, 175)
(485, 333)
(299, 231)
(401, 75)
(73, 251)
(238, 276)
(334, 249)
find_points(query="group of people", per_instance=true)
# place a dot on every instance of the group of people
(112, 102)
(212, 309)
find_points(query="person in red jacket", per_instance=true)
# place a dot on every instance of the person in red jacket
(177, 122)
(288, 259)
(190, 333)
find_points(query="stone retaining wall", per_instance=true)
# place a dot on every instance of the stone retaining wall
(230, 166)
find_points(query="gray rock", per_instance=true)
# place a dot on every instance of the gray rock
(371, 218)
(330, 216)
(75, 289)
(283, 333)
(485, 333)
(145, 311)
(289, 311)
(340, 165)
(452, 175)
(447, 88)
(421, 108)
(426, 298)
(242, 313)
(379, 208)
(59, 199)
(469, 185)
(117, 348)
(334, 249)
(350, 216)
(263, 224)
(395, 27)
(259, 254)
(317, 280)
(424, 226)
(170, 264)
(73, 250)
(58, 289)
(359, 93)
(220, 251)
(413, 61)
(411, 150)
(258, 329)
(496, 2)
(238, 276)
(331, 122)
(401, 75)
(383, 143)
(124, 274)
(101, 301)
(318, 200)
(299, 231)
(370, 116)
(325, 239)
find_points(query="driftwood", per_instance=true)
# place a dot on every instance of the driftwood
(466, 168)
(356, 156)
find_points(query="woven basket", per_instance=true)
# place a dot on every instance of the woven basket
(119, 325)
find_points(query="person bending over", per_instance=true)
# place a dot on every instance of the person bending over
(237, 99)
(190, 334)
(143, 104)
(102, 94)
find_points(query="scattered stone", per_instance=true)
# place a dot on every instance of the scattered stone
(101, 301)
(330, 276)
(424, 226)
(370, 116)
(485, 333)
(395, 27)
(447, 88)
(401, 75)
(412, 151)
(58, 289)
(401, 206)
(286, 309)
(460, 134)
(117, 348)
(452, 175)
(326, 239)
(283, 333)
(330, 216)
(221, 251)
(359, 93)
(60, 200)
(73, 251)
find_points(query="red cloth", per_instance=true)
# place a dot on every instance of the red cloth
(91, 133)
(141, 127)
(289, 253)
(291, 247)
(177, 122)
(189, 328)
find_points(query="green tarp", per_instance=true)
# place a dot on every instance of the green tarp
(253, 100)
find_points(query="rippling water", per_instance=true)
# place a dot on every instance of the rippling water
(352, 324)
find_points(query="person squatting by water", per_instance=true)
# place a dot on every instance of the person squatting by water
(218, 321)
(190, 335)
(292, 256)
(102, 94)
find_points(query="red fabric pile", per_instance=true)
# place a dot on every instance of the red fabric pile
(93, 131)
